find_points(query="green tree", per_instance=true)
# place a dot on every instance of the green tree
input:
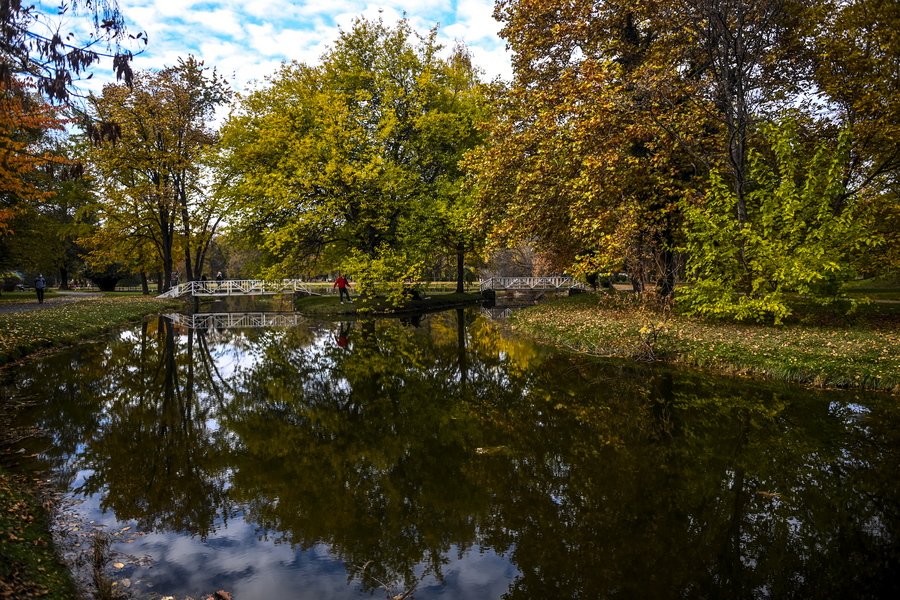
(47, 232)
(354, 164)
(792, 240)
(152, 148)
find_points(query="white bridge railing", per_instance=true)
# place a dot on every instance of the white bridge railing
(236, 320)
(530, 283)
(238, 287)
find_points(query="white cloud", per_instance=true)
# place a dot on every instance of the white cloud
(246, 40)
(218, 22)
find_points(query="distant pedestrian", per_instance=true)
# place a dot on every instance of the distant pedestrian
(219, 276)
(342, 285)
(40, 284)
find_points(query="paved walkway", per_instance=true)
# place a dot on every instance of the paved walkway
(60, 297)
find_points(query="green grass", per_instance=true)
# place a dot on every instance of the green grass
(331, 306)
(859, 352)
(885, 287)
(29, 566)
(25, 332)
(19, 297)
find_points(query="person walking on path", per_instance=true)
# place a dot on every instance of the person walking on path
(342, 284)
(40, 284)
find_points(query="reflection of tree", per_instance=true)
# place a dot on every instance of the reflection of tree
(156, 457)
(595, 479)
(365, 451)
(718, 492)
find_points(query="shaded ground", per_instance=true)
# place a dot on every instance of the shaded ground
(55, 300)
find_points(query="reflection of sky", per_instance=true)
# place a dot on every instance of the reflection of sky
(239, 559)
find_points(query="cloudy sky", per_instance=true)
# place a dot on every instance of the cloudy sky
(247, 39)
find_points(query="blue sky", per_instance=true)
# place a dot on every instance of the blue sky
(247, 39)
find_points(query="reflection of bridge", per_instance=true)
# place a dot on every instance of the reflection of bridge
(237, 287)
(498, 284)
(498, 313)
(236, 320)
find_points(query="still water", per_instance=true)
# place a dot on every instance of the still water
(443, 458)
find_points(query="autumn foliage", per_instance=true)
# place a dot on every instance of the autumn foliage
(24, 120)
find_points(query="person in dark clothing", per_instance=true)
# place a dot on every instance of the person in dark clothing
(40, 284)
(342, 285)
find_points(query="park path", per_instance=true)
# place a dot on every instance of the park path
(56, 300)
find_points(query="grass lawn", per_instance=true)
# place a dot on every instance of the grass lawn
(861, 352)
(62, 324)
(20, 297)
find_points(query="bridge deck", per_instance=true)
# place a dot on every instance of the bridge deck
(238, 287)
(530, 283)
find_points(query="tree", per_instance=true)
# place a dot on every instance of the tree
(152, 149)
(792, 240)
(353, 164)
(623, 112)
(33, 49)
(589, 157)
(25, 122)
(39, 66)
(47, 231)
(856, 68)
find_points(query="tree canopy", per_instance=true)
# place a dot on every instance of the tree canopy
(151, 151)
(353, 164)
(626, 123)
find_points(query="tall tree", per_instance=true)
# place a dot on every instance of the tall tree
(621, 113)
(347, 164)
(856, 69)
(152, 145)
(590, 156)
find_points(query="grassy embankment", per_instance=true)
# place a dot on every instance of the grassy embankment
(23, 333)
(861, 351)
(29, 567)
(329, 306)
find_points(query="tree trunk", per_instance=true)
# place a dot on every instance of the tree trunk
(145, 285)
(460, 269)
(63, 278)
(186, 232)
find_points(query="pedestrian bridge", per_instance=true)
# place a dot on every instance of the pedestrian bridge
(238, 287)
(498, 284)
(263, 287)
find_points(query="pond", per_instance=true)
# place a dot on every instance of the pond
(442, 457)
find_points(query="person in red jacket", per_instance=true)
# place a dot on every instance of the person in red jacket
(342, 285)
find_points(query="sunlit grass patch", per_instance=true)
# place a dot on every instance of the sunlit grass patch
(863, 353)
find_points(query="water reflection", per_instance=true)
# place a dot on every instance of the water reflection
(445, 458)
